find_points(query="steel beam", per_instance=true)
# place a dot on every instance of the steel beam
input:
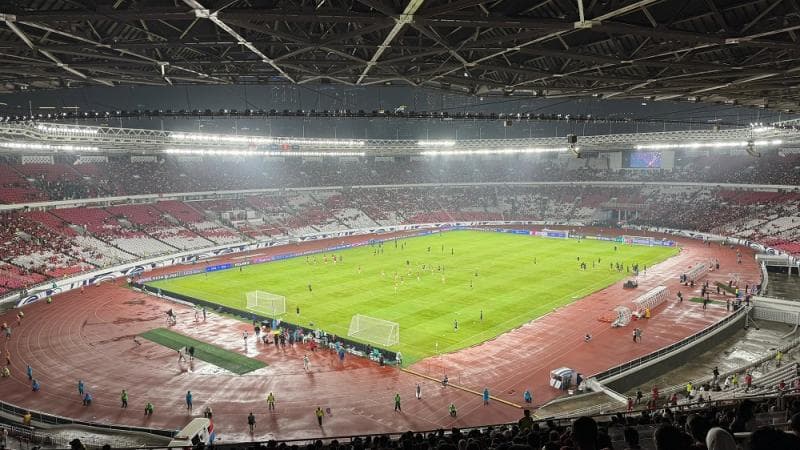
(400, 22)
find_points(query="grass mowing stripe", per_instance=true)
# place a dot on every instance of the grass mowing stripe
(211, 354)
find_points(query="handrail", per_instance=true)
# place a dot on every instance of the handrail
(557, 419)
(764, 359)
(53, 419)
(626, 366)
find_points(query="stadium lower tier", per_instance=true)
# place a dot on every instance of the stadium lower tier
(53, 242)
(100, 337)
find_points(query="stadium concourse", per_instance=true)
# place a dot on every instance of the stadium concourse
(89, 336)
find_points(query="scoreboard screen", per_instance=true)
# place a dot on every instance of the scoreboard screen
(642, 160)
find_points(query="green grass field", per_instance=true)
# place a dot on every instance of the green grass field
(204, 351)
(507, 285)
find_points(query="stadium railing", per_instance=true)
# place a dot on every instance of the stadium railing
(777, 419)
(33, 436)
(763, 361)
(53, 419)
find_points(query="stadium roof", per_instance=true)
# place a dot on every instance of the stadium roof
(736, 52)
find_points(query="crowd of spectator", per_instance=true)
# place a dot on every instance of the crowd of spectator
(63, 241)
(740, 425)
(119, 176)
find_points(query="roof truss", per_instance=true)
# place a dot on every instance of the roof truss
(734, 51)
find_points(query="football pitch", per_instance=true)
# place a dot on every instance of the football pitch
(427, 283)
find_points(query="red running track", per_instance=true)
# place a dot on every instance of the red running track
(89, 336)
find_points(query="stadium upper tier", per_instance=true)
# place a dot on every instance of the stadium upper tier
(26, 179)
(38, 243)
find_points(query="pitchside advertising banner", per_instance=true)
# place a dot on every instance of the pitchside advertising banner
(136, 270)
(566, 234)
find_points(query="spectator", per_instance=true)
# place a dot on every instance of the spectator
(584, 433)
(698, 427)
(744, 416)
(632, 439)
(794, 424)
(526, 422)
(719, 439)
(772, 439)
(669, 437)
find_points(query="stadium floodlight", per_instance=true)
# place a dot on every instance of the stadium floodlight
(236, 152)
(493, 151)
(326, 142)
(436, 143)
(58, 129)
(49, 147)
(292, 153)
(260, 140)
(707, 145)
(760, 128)
(374, 330)
(220, 138)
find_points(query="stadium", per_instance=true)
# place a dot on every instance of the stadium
(416, 224)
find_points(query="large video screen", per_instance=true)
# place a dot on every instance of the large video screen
(642, 160)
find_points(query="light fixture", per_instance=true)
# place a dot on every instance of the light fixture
(706, 145)
(57, 129)
(760, 128)
(436, 143)
(234, 152)
(227, 139)
(49, 147)
(219, 138)
(493, 151)
(312, 141)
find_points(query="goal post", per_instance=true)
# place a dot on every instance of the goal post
(272, 305)
(623, 316)
(374, 330)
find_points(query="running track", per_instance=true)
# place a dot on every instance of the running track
(89, 336)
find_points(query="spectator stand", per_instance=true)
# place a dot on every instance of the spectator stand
(765, 372)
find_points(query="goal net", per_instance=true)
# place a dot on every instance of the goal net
(623, 316)
(374, 330)
(265, 303)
